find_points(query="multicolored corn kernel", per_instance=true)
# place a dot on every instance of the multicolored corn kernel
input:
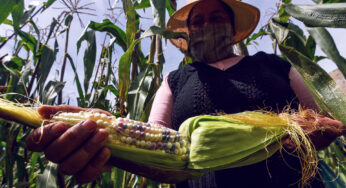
(153, 137)
(132, 133)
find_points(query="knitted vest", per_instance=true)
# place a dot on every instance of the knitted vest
(255, 83)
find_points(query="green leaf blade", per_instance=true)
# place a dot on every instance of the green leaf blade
(6, 7)
(321, 15)
(326, 43)
(17, 14)
(108, 26)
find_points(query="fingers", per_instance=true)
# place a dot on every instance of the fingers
(82, 156)
(41, 137)
(99, 111)
(288, 144)
(332, 127)
(325, 132)
(95, 168)
(46, 111)
(321, 130)
(69, 141)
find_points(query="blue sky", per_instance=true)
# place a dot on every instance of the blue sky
(172, 55)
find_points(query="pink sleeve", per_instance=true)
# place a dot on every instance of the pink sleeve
(301, 90)
(161, 110)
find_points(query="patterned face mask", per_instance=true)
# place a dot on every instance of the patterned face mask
(211, 43)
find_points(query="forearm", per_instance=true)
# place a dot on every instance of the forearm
(161, 110)
(301, 90)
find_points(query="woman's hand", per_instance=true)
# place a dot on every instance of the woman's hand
(321, 130)
(79, 150)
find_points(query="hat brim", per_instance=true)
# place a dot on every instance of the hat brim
(246, 18)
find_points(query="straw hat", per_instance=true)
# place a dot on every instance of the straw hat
(246, 18)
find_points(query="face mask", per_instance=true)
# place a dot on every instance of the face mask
(211, 43)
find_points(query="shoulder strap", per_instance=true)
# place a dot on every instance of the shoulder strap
(177, 78)
(275, 62)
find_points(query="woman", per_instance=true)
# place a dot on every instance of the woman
(221, 82)
(201, 88)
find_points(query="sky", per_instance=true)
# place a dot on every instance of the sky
(172, 55)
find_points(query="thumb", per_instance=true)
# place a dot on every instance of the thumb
(46, 111)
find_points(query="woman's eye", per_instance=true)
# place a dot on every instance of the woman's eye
(218, 18)
(197, 22)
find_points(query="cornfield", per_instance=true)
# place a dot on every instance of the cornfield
(38, 66)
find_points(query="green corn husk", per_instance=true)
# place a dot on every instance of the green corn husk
(217, 142)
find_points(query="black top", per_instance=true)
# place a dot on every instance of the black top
(255, 83)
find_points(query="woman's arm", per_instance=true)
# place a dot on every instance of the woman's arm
(161, 111)
(301, 90)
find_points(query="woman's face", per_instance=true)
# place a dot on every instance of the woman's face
(207, 12)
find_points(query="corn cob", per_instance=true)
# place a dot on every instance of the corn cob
(173, 147)
(217, 142)
(130, 133)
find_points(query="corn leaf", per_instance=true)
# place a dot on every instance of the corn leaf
(310, 45)
(28, 13)
(132, 21)
(7, 22)
(17, 13)
(50, 92)
(14, 76)
(124, 72)
(158, 8)
(141, 4)
(48, 4)
(89, 55)
(147, 108)
(153, 30)
(11, 153)
(29, 40)
(47, 59)
(139, 91)
(6, 7)
(51, 29)
(20, 162)
(108, 26)
(171, 6)
(321, 15)
(48, 178)
(326, 43)
(38, 38)
(328, 96)
(79, 86)
(330, 178)
(119, 178)
(331, 1)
